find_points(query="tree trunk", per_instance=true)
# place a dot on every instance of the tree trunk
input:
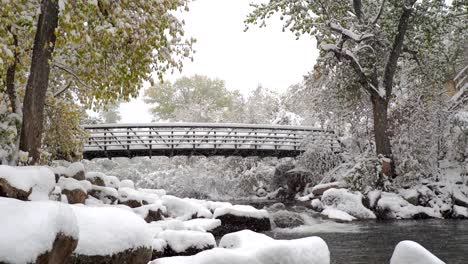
(38, 81)
(382, 139)
(10, 79)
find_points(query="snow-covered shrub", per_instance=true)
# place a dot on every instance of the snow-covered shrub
(318, 160)
(366, 173)
(10, 124)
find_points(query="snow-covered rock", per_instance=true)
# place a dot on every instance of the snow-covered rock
(373, 197)
(26, 183)
(186, 242)
(311, 250)
(336, 214)
(131, 197)
(393, 206)
(239, 217)
(111, 235)
(460, 212)
(151, 212)
(127, 184)
(185, 209)
(286, 219)
(459, 198)
(319, 189)
(202, 224)
(316, 205)
(96, 178)
(73, 189)
(245, 239)
(410, 195)
(410, 252)
(107, 195)
(29, 230)
(112, 181)
(345, 200)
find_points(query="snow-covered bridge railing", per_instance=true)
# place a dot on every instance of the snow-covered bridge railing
(168, 139)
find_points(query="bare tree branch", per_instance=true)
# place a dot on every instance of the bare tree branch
(65, 69)
(61, 91)
(374, 21)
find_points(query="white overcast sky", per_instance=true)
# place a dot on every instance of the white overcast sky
(264, 56)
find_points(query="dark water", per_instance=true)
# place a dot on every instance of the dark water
(374, 241)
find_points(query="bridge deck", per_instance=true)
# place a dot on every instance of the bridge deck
(168, 139)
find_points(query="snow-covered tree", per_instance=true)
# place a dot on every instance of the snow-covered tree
(261, 106)
(111, 114)
(194, 99)
(99, 50)
(363, 43)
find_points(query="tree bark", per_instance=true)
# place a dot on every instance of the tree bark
(10, 79)
(38, 81)
(381, 136)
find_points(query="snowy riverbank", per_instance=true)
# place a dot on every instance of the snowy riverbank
(64, 214)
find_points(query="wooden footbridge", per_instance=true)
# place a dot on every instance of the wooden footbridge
(169, 139)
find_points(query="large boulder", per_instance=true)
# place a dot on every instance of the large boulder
(240, 217)
(393, 206)
(459, 212)
(96, 178)
(26, 183)
(185, 242)
(74, 190)
(319, 189)
(107, 195)
(151, 212)
(287, 219)
(347, 201)
(36, 232)
(259, 250)
(111, 235)
(410, 252)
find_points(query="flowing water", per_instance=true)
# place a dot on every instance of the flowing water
(373, 242)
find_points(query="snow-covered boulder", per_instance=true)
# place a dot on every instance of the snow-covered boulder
(202, 224)
(131, 197)
(336, 214)
(459, 197)
(185, 242)
(459, 212)
(317, 205)
(393, 206)
(286, 219)
(73, 190)
(96, 178)
(36, 232)
(239, 217)
(244, 239)
(75, 170)
(127, 184)
(373, 197)
(410, 195)
(410, 252)
(311, 250)
(319, 189)
(185, 209)
(151, 212)
(346, 201)
(107, 195)
(26, 183)
(111, 235)
(112, 181)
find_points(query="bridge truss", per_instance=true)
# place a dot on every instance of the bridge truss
(169, 139)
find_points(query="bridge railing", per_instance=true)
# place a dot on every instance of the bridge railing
(196, 136)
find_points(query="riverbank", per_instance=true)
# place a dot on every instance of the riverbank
(101, 219)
